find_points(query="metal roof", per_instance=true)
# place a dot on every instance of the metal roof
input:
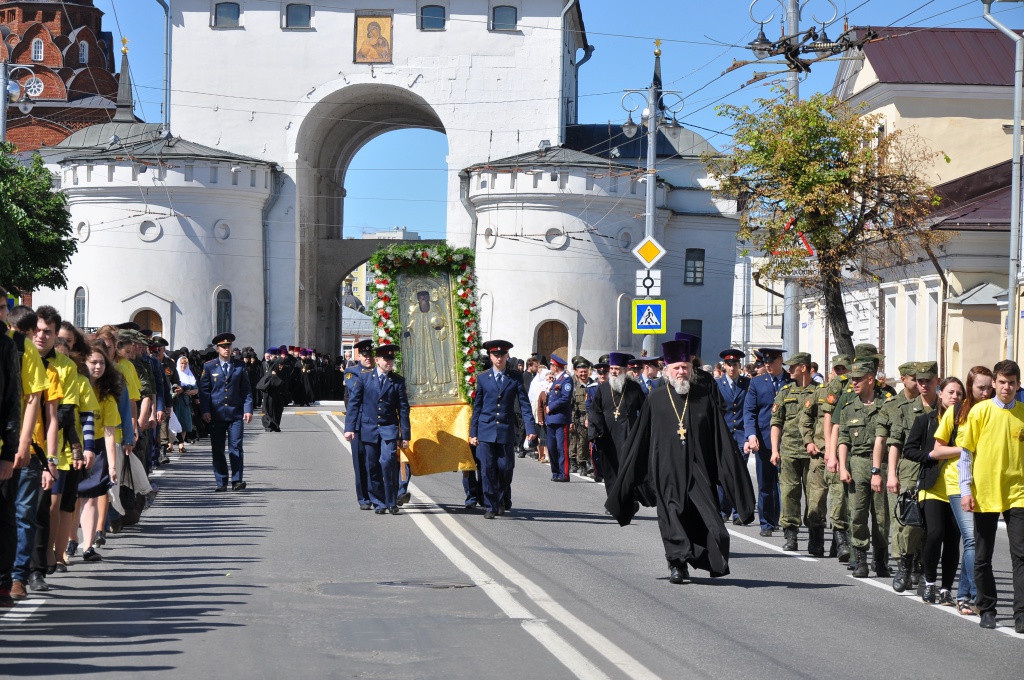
(599, 139)
(145, 141)
(942, 56)
(552, 157)
(983, 294)
(979, 201)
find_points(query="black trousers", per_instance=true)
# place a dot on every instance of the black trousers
(8, 528)
(986, 526)
(942, 537)
(41, 551)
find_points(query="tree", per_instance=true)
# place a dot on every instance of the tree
(820, 170)
(36, 241)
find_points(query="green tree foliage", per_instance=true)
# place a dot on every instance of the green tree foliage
(820, 170)
(36, 241)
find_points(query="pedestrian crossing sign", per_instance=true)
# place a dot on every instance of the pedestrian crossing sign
(649, 317)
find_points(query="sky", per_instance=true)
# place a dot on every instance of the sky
(700, 39)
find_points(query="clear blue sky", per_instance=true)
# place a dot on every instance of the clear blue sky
(699, 39)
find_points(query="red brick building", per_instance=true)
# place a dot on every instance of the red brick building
(72, 83)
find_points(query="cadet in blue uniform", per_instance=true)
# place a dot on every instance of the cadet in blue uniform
(378, 409)
(558, 417)
(757, 425)
(733, 387)
(364, 352)
(492, 429)
(225, 400)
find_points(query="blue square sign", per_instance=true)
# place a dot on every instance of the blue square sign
(649, 317)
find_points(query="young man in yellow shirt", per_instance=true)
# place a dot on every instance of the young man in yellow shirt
(992, 482)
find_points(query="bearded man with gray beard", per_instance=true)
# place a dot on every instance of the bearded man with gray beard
(613, 413)
(675, 456)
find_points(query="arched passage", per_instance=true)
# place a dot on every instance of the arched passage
(329, 137)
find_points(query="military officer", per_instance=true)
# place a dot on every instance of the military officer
(802, 464)
(364, 353)
(757, 418)
(815, 421)
(378, 409)
(862, 435)
(733, 388)
(579, 443)
(907, 541)
(225, 401)
(558, 418)
(492, 428)
(634, 369)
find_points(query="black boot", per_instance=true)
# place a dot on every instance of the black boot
(833, 549)
(573, 466)
(678, 573)
(816, 541)
(844, 546)
(861, 570)
(791, 534)
(915, 572)
(902, 578)
(882, 563)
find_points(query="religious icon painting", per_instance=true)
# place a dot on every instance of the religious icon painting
(373, 35)
(428, 338)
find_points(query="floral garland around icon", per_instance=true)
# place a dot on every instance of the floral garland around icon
(411, 259)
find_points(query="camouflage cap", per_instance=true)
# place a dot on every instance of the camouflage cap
(862, 367)
(909, 368)
(926, 370)
(798, 358)
(866, 351)
(841, 361)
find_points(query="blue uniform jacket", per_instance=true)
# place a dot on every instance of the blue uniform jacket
(734, 397)
(376, 410)
(757, 408)
(560, 401)
(494, 416)
(225, 397)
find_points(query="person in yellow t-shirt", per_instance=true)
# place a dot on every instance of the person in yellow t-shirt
(992, 482)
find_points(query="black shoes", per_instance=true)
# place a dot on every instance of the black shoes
(902, 578)
(507, 506)
(393, 510)
(988, 620)
(861, 570)
(1018, 624)
(365, 506)
(767, 533)
(404, 498)
(929, 595)
(91, 555)
(238, 486)
(678, 574)
(222, 487)
(489, 515)
(37, 583)
(791, 540)
(946, 599)
(380, 511)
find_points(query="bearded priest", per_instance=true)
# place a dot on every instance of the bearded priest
(675, 457)
(613, 414)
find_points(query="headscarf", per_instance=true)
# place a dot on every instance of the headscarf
(185, 377)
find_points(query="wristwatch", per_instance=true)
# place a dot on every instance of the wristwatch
(876, 471)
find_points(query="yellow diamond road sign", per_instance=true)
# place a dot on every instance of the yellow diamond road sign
(649, 252)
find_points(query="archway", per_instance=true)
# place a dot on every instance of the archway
(149, 320)
(553, 338)
(330, 136)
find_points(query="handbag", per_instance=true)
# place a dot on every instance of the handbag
(126, 495)
(908, 509)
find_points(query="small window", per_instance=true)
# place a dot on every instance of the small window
(504, 18)
(37, 49)
(80, 307)
(83, 53)
(694, 275)
(432, 18)
(226, 15)
(298, 16)
(223, 311)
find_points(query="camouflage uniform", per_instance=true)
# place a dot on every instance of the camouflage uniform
(579, 442)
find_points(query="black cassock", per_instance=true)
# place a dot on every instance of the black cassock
(613, 430)
(680, 479)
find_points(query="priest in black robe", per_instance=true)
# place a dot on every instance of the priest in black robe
(676, 455)
(613, 414)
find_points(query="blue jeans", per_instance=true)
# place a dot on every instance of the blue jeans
(26, 507)
(965, 520)
(232, 431)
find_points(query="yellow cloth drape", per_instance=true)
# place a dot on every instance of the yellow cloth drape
(440, 439)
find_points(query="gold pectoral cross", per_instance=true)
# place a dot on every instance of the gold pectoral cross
(616, 414)
(682, 432)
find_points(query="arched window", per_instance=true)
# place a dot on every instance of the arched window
(223, 311)
(432, 18)
(83, 53)
(226, 15)
(37, 49)
(80, 307)
(504, 18)
(298, 16)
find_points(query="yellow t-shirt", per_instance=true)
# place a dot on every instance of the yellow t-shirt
(33, 372)
(53, 392)
(996, 438)
(85, 400)
(131, 378)
(948, 483)
(108, 415)
(67, 370)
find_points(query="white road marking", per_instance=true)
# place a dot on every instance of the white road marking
(602, 645)
(766, 544)
(22, 611)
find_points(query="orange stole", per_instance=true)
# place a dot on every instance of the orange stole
(440, 439)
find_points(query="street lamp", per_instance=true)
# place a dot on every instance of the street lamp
(12, 94)
(629, 128)
(760, 45)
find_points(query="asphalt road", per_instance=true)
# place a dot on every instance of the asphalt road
(290, 579)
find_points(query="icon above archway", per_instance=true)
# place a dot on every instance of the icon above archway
(373, 39)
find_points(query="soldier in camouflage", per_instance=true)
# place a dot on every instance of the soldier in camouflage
(579, 442)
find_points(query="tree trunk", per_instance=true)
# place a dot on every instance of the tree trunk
(835, 310)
